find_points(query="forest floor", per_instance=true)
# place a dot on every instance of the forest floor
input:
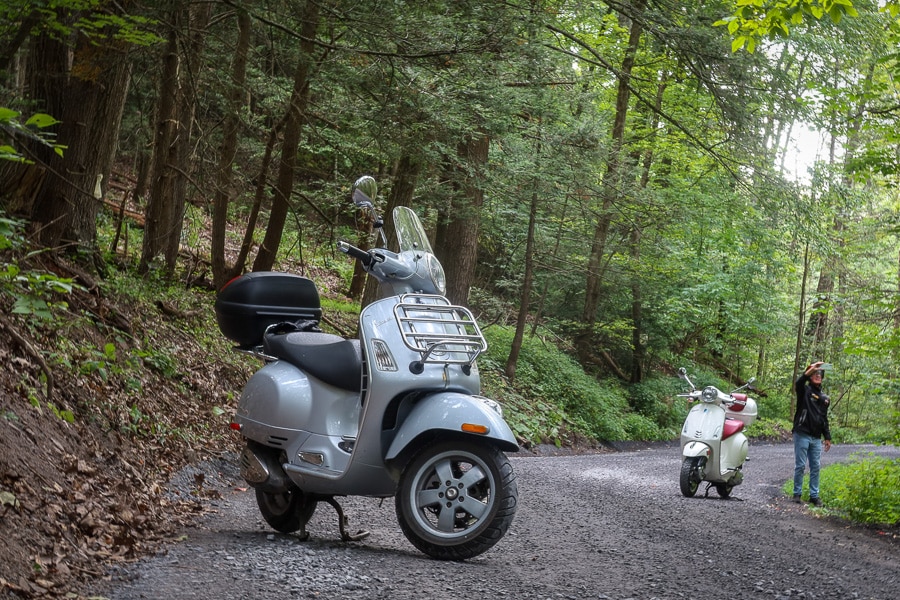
(87, 442)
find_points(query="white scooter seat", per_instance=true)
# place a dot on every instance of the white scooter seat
(325, 356)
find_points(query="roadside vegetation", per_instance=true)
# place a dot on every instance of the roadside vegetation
(552, 399)
(616, 190)
(866, 490)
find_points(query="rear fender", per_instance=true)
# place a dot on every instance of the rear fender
(452, 412)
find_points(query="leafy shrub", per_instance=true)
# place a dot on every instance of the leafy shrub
(770, 429)
(34, 293)
(553, 394)
(866, 490)
(656, 398)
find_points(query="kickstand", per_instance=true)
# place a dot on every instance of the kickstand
(708, 485)
(343, 521)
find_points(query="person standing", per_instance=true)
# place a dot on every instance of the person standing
(810, 426)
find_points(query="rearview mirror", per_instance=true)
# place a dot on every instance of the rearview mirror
(364, 191)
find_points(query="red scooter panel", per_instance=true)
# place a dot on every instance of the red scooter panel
(732, 426)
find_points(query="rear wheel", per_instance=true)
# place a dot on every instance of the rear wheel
(724, 490)
(691, 475)
(288, 511)
(457, 499)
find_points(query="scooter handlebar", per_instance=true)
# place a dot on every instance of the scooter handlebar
(361, 255)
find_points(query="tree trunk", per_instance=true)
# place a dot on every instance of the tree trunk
(798, 346)
(284, 186)
(612, 180)
(258, 196)
(638, 351)
(84, 86)
(159, 204)
(228, 149)
(459, 251)
(198, 20)
(527, 283)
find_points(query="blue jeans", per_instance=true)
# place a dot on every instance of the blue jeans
(807, 447)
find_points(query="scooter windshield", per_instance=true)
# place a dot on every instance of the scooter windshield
(410, 233)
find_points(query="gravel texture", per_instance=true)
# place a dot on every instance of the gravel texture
(606, 526)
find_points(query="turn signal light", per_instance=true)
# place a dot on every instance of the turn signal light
(475, 428)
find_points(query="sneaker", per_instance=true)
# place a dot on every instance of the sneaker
(796, 498)
(815, 502)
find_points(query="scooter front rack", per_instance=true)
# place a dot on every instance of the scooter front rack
(441, 332)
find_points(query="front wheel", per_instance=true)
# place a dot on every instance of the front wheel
(287, 511)
(457, 499)
(691, 475)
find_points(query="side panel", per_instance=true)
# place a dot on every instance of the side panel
(448, 411)
(279, 393)
(278, 401)
(734, 451)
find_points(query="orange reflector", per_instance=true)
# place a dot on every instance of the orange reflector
(475, 428)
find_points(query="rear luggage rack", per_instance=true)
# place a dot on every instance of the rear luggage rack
(441, 332)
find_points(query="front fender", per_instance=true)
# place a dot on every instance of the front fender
(449, 411)
(694, 449)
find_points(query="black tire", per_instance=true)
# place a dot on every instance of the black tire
(457, 499)
(286, 512)
(724, 490)
(690, 476)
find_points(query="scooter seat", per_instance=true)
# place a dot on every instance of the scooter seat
(732, 426)
(327, 357)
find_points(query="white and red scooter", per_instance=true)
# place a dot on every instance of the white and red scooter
(713, 444)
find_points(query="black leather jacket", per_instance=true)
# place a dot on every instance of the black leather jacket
(811, 416)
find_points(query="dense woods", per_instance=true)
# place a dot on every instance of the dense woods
(623, 178)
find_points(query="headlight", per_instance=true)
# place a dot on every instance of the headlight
(436, 271)
(709, 394)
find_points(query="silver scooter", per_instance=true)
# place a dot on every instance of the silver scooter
(396, 413)
(713, 444)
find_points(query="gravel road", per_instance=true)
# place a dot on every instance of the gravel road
(606, 526)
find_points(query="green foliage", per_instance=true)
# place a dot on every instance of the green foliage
(866, 490)
(11, 127)
(770, 429)
(753, 20)
(552, 395)
(101, 362)
(656, 399)
(35, 293)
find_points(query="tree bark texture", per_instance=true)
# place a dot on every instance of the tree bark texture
(459, 252)
(83, 85)
(198, 20)
(527, 283)
(284, 186)
(228, 150)
(159, 206)
(612, 183)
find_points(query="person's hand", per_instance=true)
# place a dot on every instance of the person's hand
(813, 367)
(827, 445)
